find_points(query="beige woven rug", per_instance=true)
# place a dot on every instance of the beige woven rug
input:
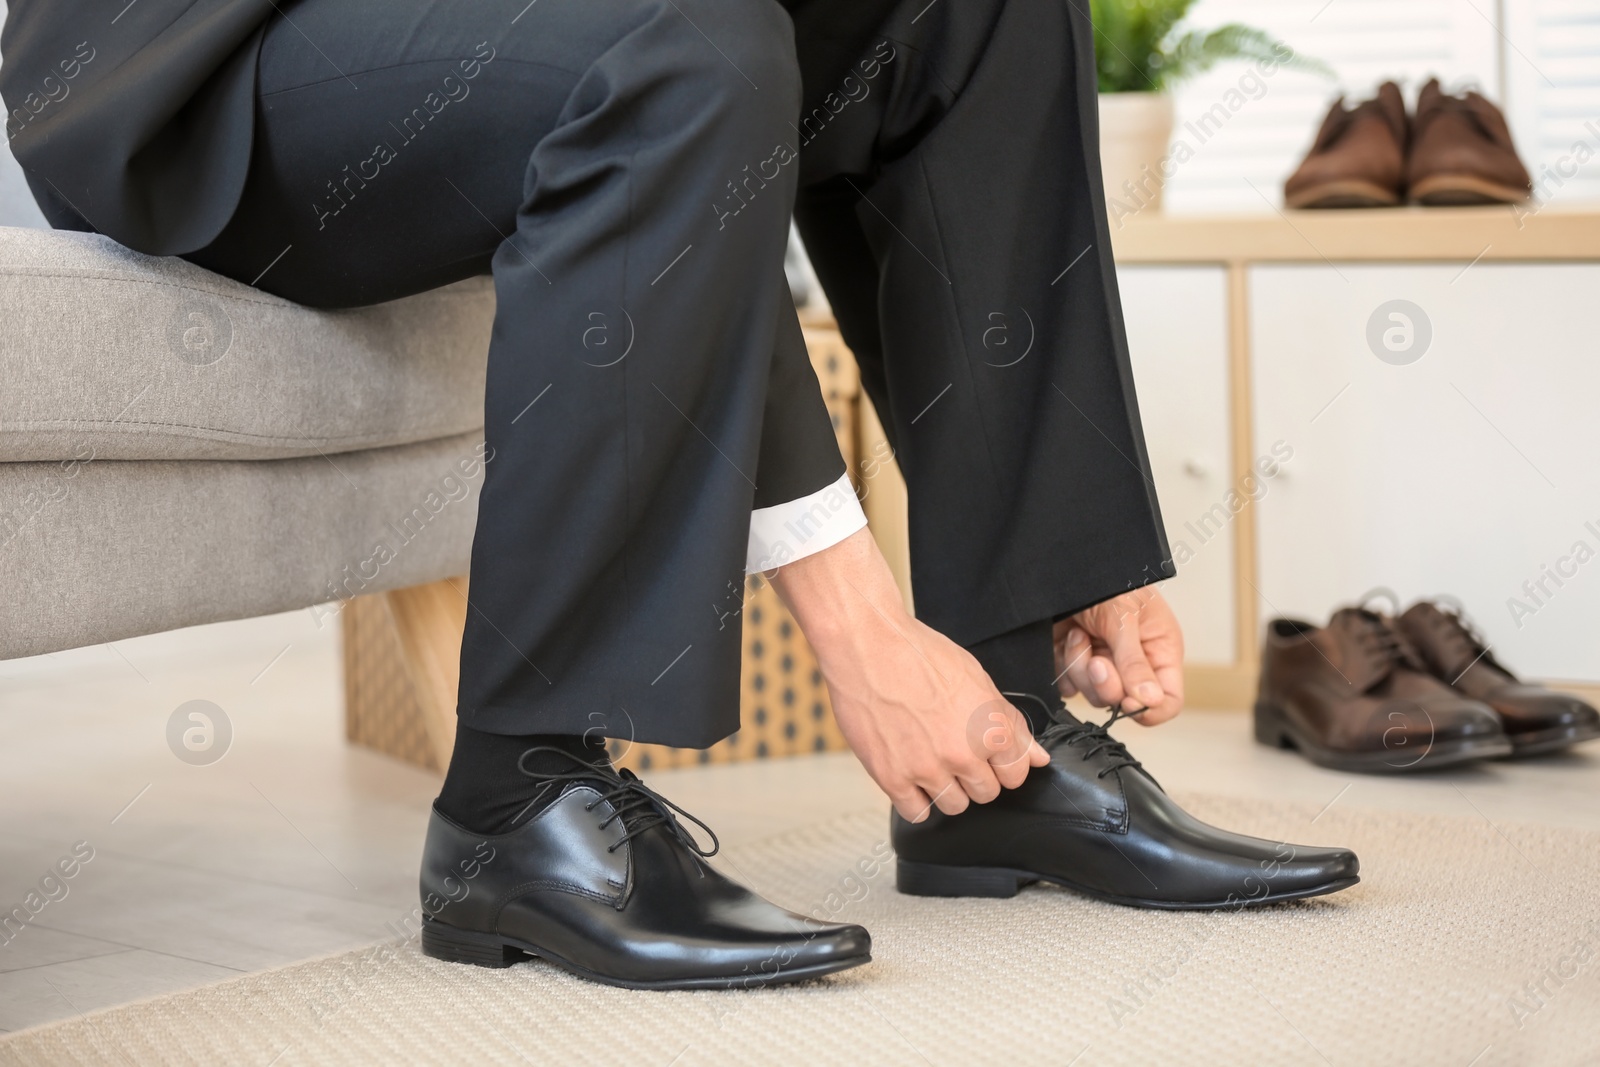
(1466, 944)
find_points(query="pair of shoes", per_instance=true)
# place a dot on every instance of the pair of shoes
(606, 883)
(1384, 694)
(1454, 150)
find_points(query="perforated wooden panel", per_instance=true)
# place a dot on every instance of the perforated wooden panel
(383, 709)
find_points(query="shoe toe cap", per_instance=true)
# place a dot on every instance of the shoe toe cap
(1468, 723)
(844, 942)
(1307, 869)
(1319, 866)
(1444, 718)
(1541, 709)
(825, 944)
(1282, 871)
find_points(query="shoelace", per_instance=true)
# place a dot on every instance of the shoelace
(1383, 643)
(1462, 636)
(629, 797)
(1096, 739)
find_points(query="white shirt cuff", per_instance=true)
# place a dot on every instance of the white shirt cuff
(795, 529)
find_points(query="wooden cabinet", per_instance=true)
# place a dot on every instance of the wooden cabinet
(1423, 383)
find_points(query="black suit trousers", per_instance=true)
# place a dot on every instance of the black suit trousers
(627, 170)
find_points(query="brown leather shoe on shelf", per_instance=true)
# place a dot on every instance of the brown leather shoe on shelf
(1536, 719)
(1356, 697)
(1461, 152)
(1358, 158)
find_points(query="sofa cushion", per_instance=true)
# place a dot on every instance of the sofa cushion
(93, 552)
(109, 354)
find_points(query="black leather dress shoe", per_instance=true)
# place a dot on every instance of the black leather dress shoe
(1093, 820)
(607, 884)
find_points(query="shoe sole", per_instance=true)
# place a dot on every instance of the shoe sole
(1348, 193)
(1274, 729)
(1451, 190)
(1545, 741)
(455, 945)
(936, 880)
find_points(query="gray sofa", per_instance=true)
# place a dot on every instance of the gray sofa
(179, 448)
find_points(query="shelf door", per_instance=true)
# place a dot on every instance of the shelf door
(1178, 340)
(1447, 444)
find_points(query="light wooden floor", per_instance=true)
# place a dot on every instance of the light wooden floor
(294, 844)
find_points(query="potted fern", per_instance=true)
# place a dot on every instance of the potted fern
(1141, 53)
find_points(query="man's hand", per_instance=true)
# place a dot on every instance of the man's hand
(918, 710)
(1126, 651)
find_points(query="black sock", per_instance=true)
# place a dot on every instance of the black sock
(485, 789)
(1021, 663)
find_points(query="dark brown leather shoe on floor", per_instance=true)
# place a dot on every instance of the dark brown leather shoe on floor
(1358, 158)
(1354, 696)
(1461, 152)
(1536, 719)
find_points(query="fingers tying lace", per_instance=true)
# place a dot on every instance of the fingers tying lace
(1094, 739)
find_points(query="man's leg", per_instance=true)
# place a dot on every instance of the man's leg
(648, 385)
(619, 172)
(952, 206)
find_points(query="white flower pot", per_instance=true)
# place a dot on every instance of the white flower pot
(1135, 130)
